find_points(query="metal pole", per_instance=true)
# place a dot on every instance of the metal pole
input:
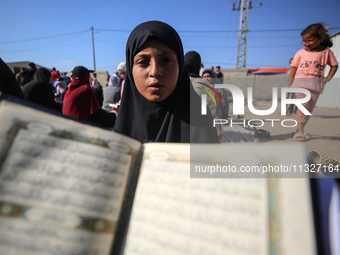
(244, 6)
(240, 56)
(94, 56)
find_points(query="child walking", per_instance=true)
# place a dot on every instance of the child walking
(308, 67)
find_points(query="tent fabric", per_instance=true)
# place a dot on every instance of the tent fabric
(268, 70)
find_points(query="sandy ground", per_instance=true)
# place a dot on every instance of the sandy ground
(324, 126)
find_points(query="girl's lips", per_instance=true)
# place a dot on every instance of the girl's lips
(155, 86)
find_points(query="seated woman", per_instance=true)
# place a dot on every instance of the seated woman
(192, 61)
(157, 96)
(80, 101)
(40, 90)
(60, 89)
(111, 93)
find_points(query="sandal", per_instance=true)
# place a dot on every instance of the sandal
(307, 136)
(299, 137)
(262, 133)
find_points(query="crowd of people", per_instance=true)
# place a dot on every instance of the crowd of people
(147, 97)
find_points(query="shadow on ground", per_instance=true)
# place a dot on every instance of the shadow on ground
(333, 138)
(283, 137)
(280, 137)
(327, 116)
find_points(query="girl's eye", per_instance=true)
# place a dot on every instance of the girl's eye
(167, 60)
(142, 62)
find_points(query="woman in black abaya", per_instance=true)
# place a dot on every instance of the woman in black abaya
(157, 96)
(8, 82)
(39, 90)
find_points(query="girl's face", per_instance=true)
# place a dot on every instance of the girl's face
(207, 76)
(155, 71)
(310, 42)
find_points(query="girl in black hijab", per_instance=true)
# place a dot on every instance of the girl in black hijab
(157, 96)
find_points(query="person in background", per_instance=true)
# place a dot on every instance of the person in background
(60, 89)
(94, 82)
(40, 90)
(112, 93)
(107, 80)
(219, 74)
(157, 96)
(64, 78)
(68, 80)
(80, 101)
(121, 69)
(55, 75)
(222, 110)
(308, 68)
(98, 91)
(192, 60)
(201, 69)
(27, 74)
(8, 82)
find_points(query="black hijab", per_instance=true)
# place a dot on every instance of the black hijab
(39, 90)
(193, 63)
(8, 82)
(169, 120)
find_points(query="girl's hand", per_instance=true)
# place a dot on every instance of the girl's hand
(330, 75)
(325, 79)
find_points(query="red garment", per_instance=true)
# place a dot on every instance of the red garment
(55, 75)
(80, 101)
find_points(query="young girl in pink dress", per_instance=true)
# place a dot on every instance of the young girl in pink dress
(308, 67)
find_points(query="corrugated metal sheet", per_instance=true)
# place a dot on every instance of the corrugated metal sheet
(331, 95)
(236, 134)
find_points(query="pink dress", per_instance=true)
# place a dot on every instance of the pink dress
(311, 68)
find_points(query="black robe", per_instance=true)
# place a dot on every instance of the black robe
(8, 82)
(39, 90)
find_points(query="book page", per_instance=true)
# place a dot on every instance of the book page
(294, 217)
(284, 167)
(62, 183)
(174, 213)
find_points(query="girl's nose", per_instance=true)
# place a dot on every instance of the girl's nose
(155, 69)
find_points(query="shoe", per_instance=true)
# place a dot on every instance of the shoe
(307, 136)
(299, 137)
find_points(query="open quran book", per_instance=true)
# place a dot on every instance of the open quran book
(71, 188)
